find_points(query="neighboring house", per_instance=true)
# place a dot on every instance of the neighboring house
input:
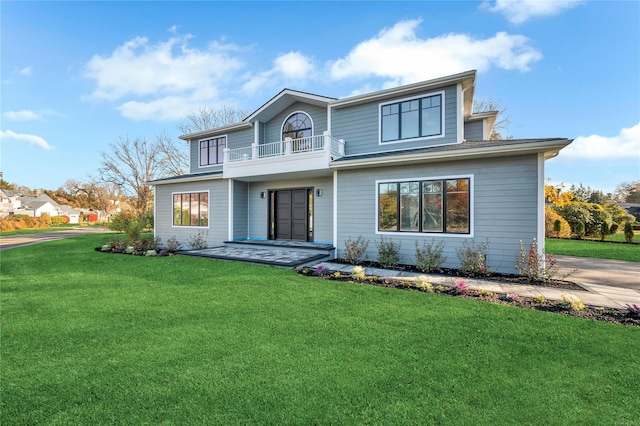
(411, 164)
(36, 205)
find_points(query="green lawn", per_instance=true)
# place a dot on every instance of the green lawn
(40, 230)
(595, 249)
(93, 338)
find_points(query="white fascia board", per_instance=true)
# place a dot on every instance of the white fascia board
(214, 132)
(547, 149)
(190, 178)
(401, 90)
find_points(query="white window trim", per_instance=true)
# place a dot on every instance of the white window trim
(421, 138)
(226, 145)
(313, 127)
(192, 226)
(429, 234)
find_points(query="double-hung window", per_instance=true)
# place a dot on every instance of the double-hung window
(212, 151)
(412, 119)
(191, 209)
(429, 206)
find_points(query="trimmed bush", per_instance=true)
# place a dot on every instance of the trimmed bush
(550, 227)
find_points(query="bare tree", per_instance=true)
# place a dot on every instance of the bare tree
(206, 118)
(628, 192)
(176, 159)
(130, 164)
(503, 121)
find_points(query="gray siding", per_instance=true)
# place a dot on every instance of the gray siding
(217, 230)
(505, 207)
(273, 128)
(240, 210)
(323, 206)
(358, 126)
(473, 130)
(237, 139)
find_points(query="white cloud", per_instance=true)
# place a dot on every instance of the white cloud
(288, 67)
(146, 75)
(22, 137)
(625, 145)
(26, 71)
(24, 115)
(519, 11)
(399, 54)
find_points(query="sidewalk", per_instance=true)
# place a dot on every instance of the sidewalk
(593, 294)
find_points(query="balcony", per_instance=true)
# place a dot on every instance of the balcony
(288, 156)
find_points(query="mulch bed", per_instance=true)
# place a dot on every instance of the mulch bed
(626, 317)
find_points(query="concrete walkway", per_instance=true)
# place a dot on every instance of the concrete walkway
(604, 272)
(593, 294)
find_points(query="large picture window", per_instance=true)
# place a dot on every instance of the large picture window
(438, 206)
(411, 119)
(212, 151)
(191, 209)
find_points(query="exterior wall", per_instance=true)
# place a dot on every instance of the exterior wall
(473, 130)
(237, 139)
(240, 210)
(504, 197)
(218, 229)
(322, 209)
(273, 128)
(359, 126)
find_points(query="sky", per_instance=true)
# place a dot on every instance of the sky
(78, 76)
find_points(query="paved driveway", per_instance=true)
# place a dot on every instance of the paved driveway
(615, 273)
(8, 242)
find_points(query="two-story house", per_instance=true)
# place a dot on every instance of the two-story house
(411, 164)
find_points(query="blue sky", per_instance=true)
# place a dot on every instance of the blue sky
(76, 76)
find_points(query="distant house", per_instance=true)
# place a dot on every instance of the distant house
(410, 164)
(35, 206)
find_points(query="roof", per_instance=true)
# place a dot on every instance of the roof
(193, 177)
(468, 149)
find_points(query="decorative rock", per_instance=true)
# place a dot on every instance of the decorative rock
(105, 247)
(151, 253)
(130, 250)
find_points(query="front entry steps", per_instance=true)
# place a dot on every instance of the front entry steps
(275, 253)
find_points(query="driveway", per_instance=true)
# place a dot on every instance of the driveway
(614, 273)
(8, 242)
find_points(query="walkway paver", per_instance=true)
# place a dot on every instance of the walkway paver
(593, 294)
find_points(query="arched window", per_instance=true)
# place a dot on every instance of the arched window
(298, 125)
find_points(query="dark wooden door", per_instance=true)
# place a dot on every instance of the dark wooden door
(292, 215)
(283, 215)
(299, 215)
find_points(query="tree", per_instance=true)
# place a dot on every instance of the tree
(503, 121)
(209, 118)
(556, 196)
(4, 184)
(628, 192)
(130, 164)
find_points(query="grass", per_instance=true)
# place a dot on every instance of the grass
(93, 338)
(594, 249)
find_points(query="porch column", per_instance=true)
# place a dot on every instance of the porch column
(287, 146)
(254, 151)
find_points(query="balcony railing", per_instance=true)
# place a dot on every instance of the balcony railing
(324, 142)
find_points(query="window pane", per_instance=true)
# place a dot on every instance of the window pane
(458, 205)
(410, 120)
(390, 130)
(409, 206)
(185, 210)
(195, 207)
(204, 209)
(432, 206)
(388, 207)
(431, 121)
(204, 156)
(177, 207)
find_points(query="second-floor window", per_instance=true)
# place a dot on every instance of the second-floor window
(298, 125)
(212, 151)
(412, 119)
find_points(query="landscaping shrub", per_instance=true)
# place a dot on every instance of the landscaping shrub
(628, 232)
(45, 220)
(536, 266)
(579, 230)
(173, 244)
(388, 253)
(429, 257)
(550, 227)
(197, 241)
(354, 250)
(473, 259)
(60, 220)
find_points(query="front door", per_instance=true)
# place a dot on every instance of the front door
(291, 215)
